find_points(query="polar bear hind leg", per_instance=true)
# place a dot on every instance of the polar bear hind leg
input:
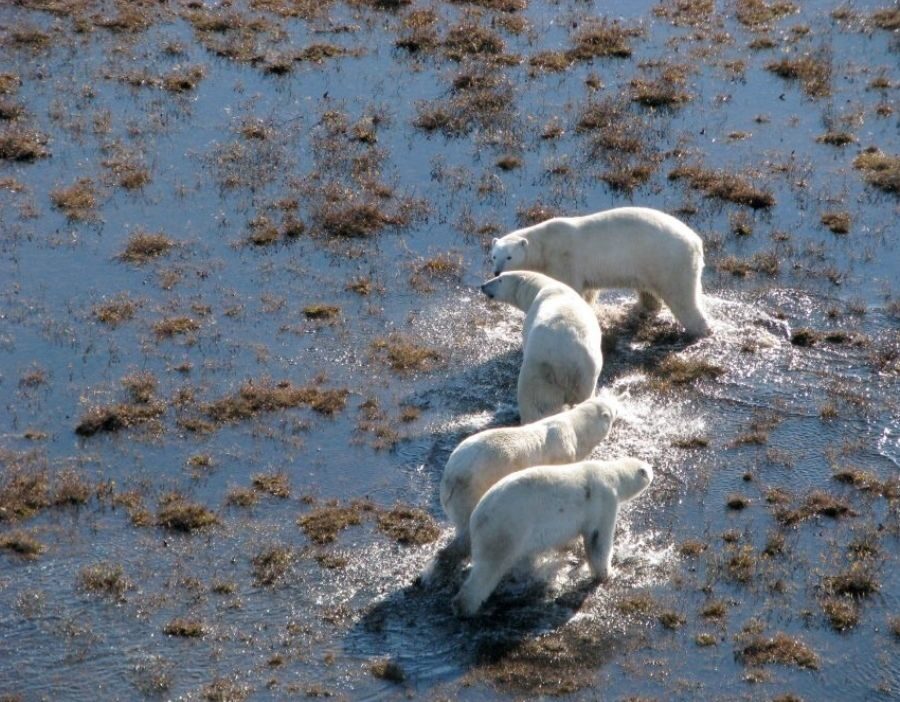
(539, 393)
(648, 304)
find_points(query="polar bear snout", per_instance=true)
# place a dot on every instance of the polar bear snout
(487, 291)
(490, 288)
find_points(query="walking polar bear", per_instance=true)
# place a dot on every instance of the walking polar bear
(627, 247)
(562, 357)
(545, 507)
(486, 457)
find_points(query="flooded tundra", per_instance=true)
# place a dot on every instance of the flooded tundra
(241, 332)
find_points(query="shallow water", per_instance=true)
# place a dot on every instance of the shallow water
(318, 630)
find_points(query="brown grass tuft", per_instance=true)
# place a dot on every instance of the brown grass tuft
(183, 79)
(23, 491)
(673, 370)
(188, 628)
(173, 326)
(603, 39)
(322, 525)
(780, 648)
(857, 581)
(887, 18)
(469, 39)
(110, 418)
(275, 484)
(271, 564)
(22, 543)
(402, 353)
(833, 138)
(837, 222)
(77, 201)
(389, 670)
(757, 13)
(179, 514)
(116, 311)
(723, 186)
(812, 70)
(842, 612)
(104, 579)
(253, 398)
(325, 313)
(143, 247)
(408, 525)
(879, 169)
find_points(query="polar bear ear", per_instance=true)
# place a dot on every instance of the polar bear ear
(494, 241)
(523, 243)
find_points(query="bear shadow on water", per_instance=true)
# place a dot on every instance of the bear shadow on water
(415, 626)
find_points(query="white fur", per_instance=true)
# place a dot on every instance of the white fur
(484, 458)
(627, 247)
(545, 507)
(562, 354)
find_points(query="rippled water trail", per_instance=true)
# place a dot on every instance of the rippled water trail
(241, 248)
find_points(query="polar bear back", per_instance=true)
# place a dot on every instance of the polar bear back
(483, 459)
(545, 507)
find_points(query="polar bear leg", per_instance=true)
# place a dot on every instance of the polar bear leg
(480, 583)
(688, 312)
(447, 559)
(648, 303)
(598, 543)
(538, 393)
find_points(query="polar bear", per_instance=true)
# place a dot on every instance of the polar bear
(545, 507)
(562, 357)
(626, 247)
(486, 457)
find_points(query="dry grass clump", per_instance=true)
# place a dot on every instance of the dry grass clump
(816, 503)
(104, 579)
(23, 491)
(715, 609)
(670, 619)
(551, 61)
(857, 581)
(408, 525)
(355, 220)
(690, 442)
(837, 222)
(118, 310)
(860, 479)
(833, 138)
(526, 215)
(756, 13)
(691, 548)
(887, 18)
(603, 39)
(723, 186)
(182, 79)
(666, 90)
(322, 525)
(419, 33)
(674, 370)
(188, 628)
(142, 247)
(9, 83)
(842, 612)
(110, 418)
(496, 5)
(173, 326)
(271, 564)
(641, 603)
(686, 13)
(805, 337)
(320, 312)
(879, 169)
(22, 543)
(478, 100)
(253, 398)
(388, 669)
(737, 502)
(275, 484)
(740, 564)
(779, 648)
(77, 201)
(443, 266)
(70, 488)
(812, 70)
(470, 39)
(402, 353)
(242, 497)
(11, 110)
(177, 513)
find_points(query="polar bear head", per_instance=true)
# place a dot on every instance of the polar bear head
(629, 477)
(508, 253)
(518, 288)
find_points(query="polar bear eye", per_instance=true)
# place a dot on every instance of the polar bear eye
(509, 258)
